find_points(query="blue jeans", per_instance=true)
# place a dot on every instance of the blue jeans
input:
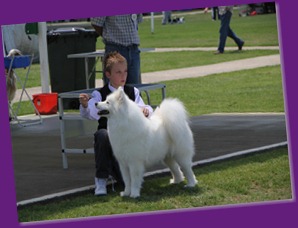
(225, 31)
(132, 55)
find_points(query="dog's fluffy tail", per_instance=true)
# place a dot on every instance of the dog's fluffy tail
(176, 120)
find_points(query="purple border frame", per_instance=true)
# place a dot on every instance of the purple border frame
(274, 214)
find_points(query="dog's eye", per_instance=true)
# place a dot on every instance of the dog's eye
(108, 102)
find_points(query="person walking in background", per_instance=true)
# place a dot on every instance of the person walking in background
(120, 33)
(214, 12)
(225, 30)
(166, 17)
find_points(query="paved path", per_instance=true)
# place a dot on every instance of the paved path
(213, 48)
(38, 160)
(191, 72)
(200, 71)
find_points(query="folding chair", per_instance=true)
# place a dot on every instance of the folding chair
(23, 61)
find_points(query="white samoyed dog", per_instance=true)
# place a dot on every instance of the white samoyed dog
(139, 142)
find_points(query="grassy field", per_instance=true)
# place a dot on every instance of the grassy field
(198, 31)
(256, 90)
(151, 62)
(261, 177)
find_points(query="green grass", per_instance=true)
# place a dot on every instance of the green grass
(33, 77)
(23, 108)
(198, 31)
(256, 90)
(259, 177)
(151, 62)
(163, 61)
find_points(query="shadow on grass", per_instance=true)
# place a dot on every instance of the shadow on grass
(154, 191)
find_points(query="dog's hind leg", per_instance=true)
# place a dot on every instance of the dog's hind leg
(126, 178)
(175, 170)
(185, 163)
(136, 173)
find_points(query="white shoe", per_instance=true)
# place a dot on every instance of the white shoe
(100, 186)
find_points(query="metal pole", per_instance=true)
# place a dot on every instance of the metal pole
(43, 57)
(152, 22)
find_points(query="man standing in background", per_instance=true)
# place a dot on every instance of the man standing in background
(120, 33)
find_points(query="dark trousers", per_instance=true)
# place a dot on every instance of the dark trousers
(226, 31)
(105, 163)
(215, 13)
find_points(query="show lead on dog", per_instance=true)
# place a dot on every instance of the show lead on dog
(106, 165)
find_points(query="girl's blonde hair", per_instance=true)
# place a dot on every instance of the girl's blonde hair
(111, 58)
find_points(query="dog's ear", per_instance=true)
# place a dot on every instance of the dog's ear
(120, 95)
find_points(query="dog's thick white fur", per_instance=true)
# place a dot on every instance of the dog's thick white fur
(139, 142)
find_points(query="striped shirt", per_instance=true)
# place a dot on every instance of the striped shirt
(120, 30)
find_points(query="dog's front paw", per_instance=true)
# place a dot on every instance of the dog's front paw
(122, 194)
(176, 180)
(192, 184)
(134, 195)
